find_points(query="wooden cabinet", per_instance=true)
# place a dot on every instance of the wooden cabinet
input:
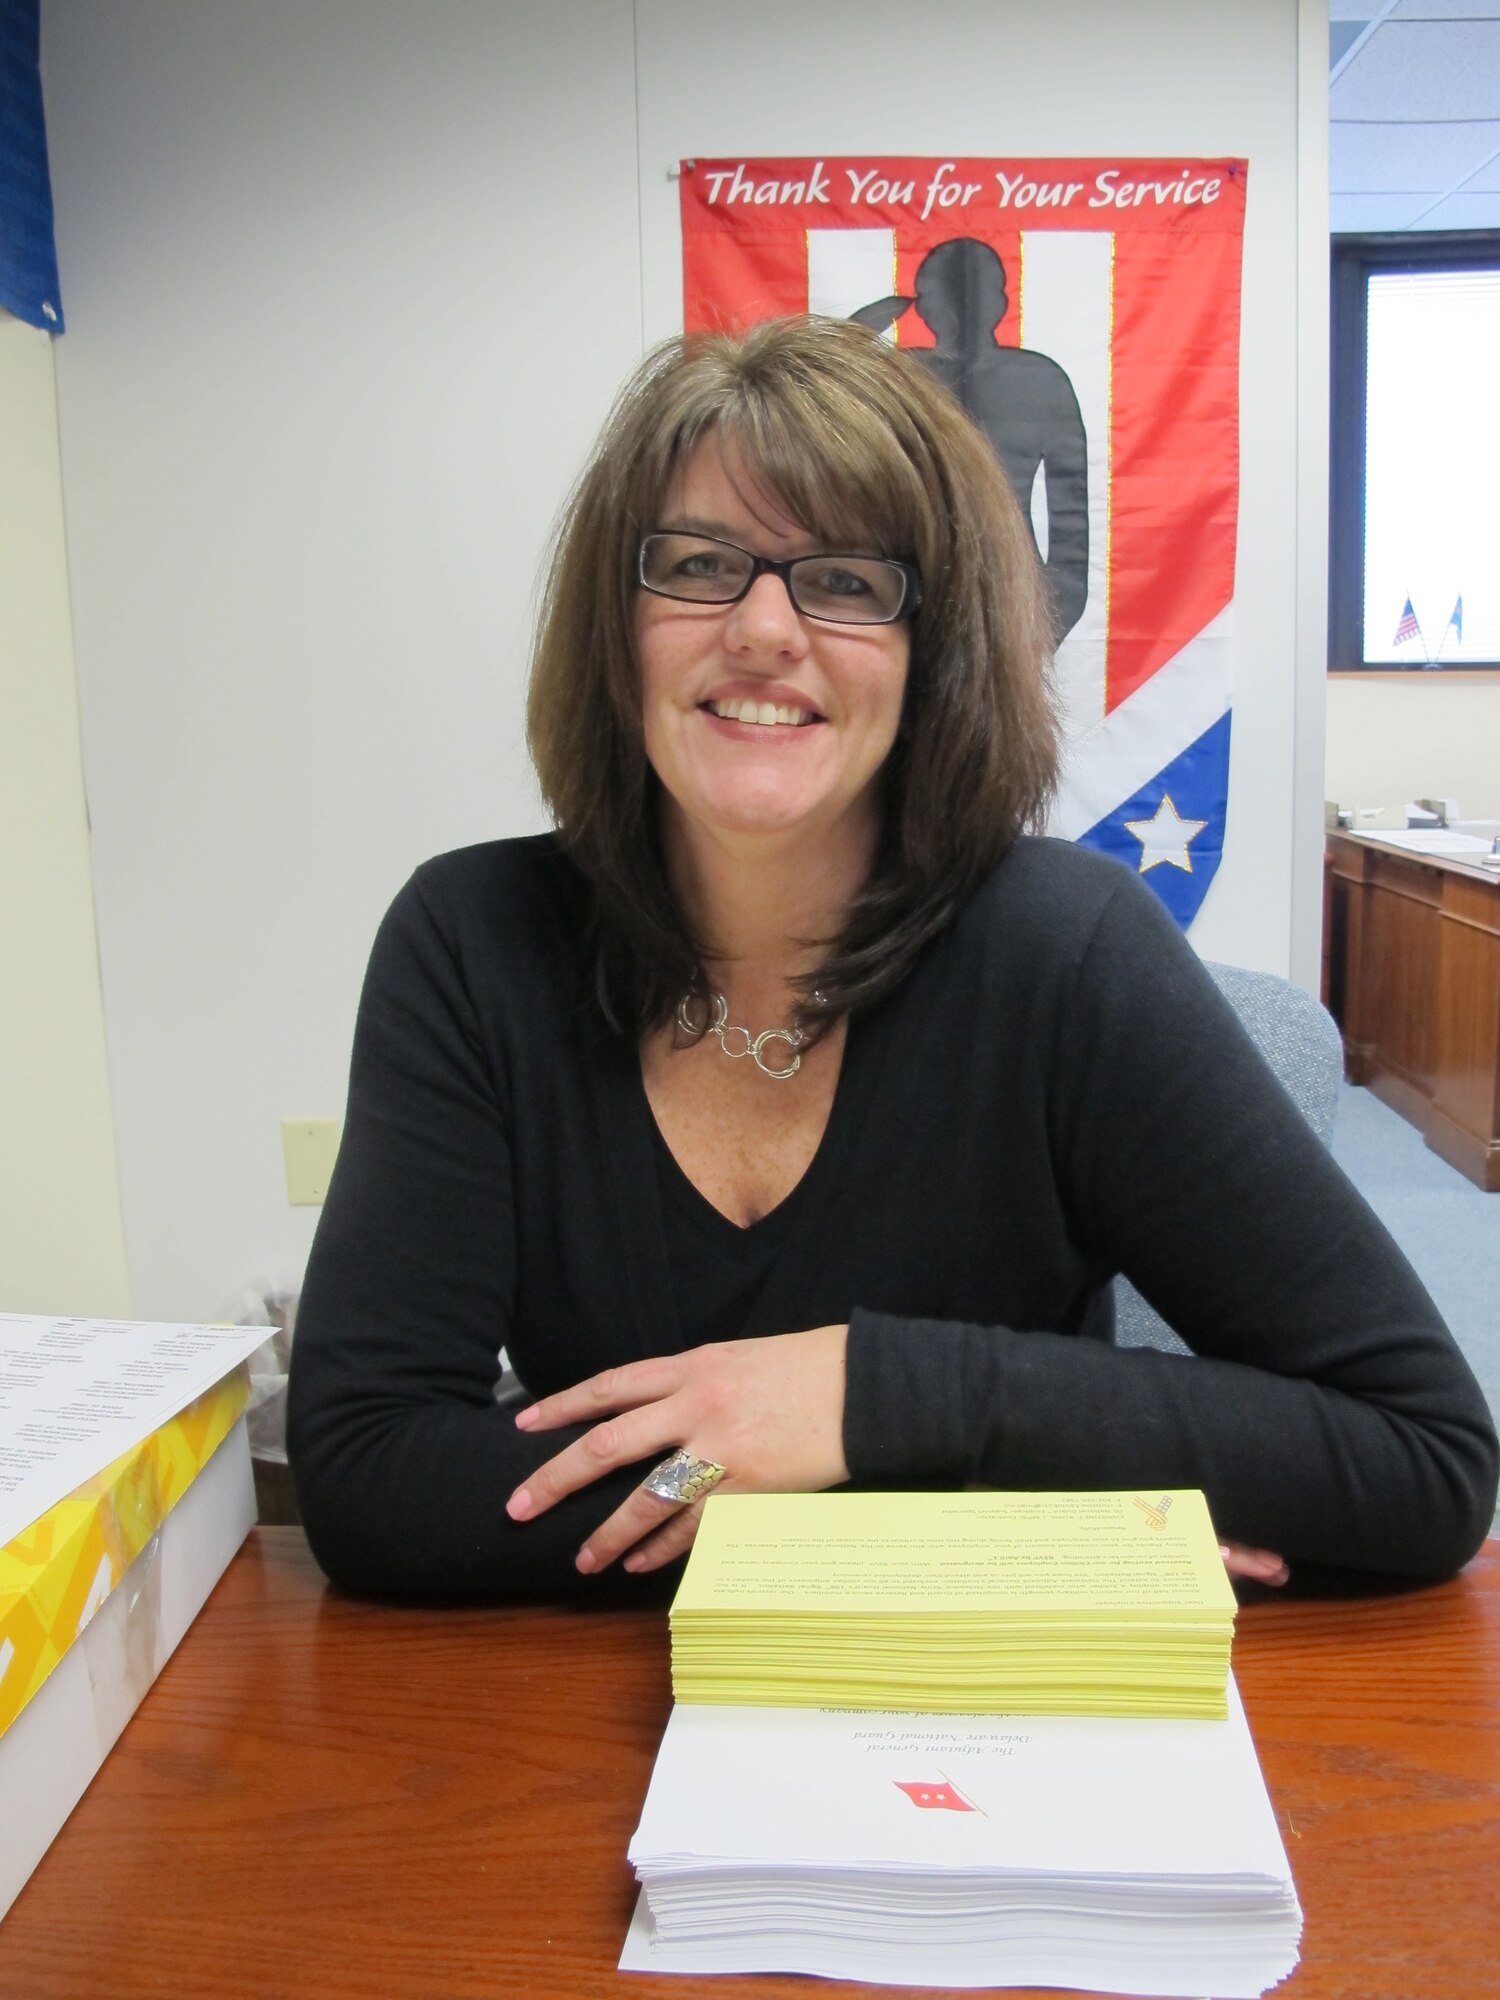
(1411, 973)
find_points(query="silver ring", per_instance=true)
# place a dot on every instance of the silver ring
(682, 1477)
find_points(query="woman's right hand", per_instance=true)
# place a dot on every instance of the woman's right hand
(770, 1409)
(1259, 1565)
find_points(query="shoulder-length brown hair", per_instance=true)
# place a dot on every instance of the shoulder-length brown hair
(861, 447)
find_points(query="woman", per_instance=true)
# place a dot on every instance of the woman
(788, 1113)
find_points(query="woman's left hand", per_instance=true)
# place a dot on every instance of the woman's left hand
(770, 1411)
(1259, 1565)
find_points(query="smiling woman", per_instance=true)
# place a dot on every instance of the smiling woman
(788, 1112)
(811, 437)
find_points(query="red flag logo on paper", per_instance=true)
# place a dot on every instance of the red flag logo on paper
(935, 1798)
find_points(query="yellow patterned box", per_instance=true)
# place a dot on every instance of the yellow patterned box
(55, 1575)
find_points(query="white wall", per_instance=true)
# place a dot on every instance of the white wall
(62, 1248)
(348, 287)
(1395, 737)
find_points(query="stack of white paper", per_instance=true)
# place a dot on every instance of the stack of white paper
(1121, 1855)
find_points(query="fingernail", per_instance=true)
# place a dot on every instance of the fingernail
(585, 1561)
(518, 1506)
(526, 1418)
(1223, 1552)
(634, 1563)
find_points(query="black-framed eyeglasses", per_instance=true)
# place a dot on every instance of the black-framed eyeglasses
(839, 589)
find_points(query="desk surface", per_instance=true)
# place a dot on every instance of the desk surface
(325, 1798)
(1381, 843)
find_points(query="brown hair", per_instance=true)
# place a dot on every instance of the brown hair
(858, 444)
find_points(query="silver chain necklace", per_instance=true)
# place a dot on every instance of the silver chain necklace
(720, 1025)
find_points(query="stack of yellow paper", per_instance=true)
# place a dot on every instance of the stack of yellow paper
(967, 1603)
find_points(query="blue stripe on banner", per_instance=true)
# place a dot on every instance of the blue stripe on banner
(1156, 832)
(28, 253)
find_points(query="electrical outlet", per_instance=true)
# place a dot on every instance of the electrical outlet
(309, 1146)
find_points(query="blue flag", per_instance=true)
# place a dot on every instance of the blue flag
(28, 253)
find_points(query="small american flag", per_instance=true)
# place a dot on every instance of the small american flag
(1408, 628)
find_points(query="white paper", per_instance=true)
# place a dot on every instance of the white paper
(1433, 840)
(1115, 1854)
(1049, 1792)
(76, 1393)
(1123, 1964)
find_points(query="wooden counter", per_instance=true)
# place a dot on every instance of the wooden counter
(323, 1800)
(1411, 973)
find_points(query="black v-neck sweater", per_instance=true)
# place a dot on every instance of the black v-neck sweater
(1056, 1093)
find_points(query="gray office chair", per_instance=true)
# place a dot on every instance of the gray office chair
(1299, 1040)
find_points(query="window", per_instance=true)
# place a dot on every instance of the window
(1414, 516)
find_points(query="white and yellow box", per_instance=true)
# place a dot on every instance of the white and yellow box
(94, 1596)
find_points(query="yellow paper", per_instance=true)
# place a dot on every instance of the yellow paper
(903, 1553)
(1062, 1603)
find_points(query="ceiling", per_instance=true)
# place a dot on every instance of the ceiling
(1414, 104)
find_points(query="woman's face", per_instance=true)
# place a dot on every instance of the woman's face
(838, 688)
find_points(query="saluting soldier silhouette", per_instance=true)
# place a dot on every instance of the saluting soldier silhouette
(1022, 401)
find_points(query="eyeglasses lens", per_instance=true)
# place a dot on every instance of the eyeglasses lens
(854, 590)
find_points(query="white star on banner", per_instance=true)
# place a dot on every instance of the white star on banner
(1166, 837)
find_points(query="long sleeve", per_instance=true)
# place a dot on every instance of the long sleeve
(1055, 1093)
(403, 1461)
(1327, 1412)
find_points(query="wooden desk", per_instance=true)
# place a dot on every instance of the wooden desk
(1412, 976)
(323, 1799)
